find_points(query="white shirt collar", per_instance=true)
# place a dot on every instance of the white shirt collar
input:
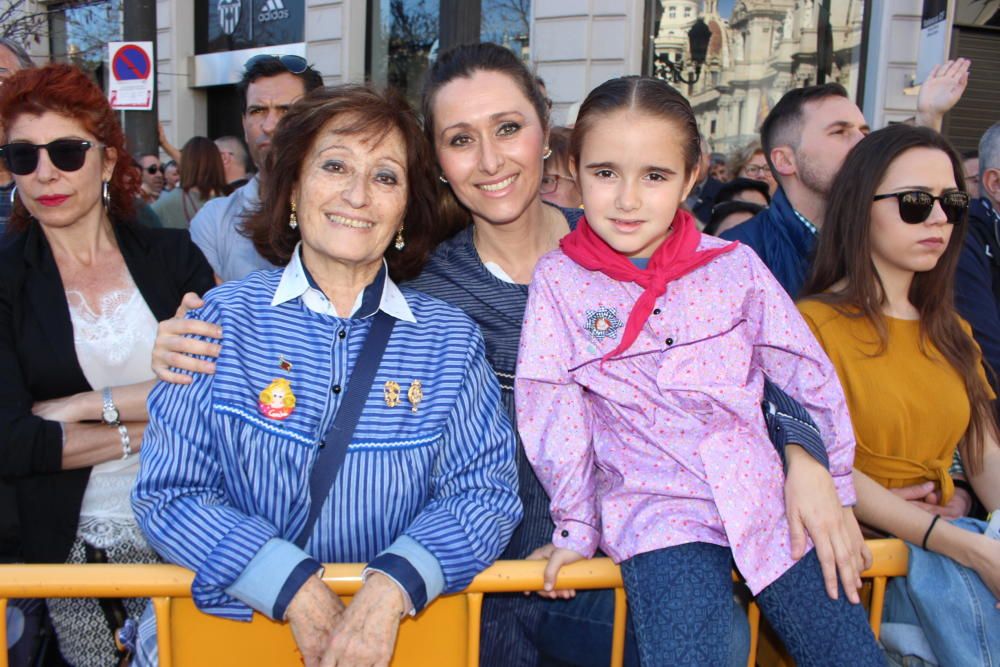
(294, 284)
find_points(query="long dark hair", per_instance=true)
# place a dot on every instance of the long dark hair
(364, 111)
(201, 167)
(844, 252)
(462, 62)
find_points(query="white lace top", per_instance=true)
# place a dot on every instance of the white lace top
(114, 345)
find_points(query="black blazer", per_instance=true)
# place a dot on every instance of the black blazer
(38, 362)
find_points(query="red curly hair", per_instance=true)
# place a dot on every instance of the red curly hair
(69, 92)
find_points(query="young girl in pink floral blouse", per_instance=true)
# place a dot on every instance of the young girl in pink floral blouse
(643, 356)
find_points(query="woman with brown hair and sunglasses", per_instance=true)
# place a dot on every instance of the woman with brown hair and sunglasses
(82, 287)
(915, 383)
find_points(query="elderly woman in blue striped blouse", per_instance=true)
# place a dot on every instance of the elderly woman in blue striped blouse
(251, 477)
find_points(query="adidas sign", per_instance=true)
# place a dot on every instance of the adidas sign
(273, 10)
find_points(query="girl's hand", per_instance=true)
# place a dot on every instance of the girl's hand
(545, 553)
(557, 558)
(813, 506)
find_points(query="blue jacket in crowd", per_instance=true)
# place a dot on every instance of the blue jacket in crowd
(977, 281)
(783, 238)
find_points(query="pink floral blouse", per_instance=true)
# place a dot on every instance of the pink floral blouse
(667, 443)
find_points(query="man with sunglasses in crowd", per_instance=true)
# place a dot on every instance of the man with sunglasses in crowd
(269, 86)
(152, 176)
(806, 137)
(12, 59)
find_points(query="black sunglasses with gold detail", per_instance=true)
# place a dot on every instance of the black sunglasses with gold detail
(66, 155)
(915, 206)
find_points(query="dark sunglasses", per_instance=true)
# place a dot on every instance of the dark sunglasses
(65, 154)
(294, 64)
(915, 206)
(153, 168)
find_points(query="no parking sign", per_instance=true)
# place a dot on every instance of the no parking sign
(132, 75)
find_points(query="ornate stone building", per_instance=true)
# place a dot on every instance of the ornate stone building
(762, 49)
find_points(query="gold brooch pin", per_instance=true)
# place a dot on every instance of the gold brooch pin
(391, 393)
(416, 394)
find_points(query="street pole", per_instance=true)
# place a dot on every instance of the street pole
(140, 126)
(459, 23)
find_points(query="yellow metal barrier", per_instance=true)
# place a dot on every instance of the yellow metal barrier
(187, 637)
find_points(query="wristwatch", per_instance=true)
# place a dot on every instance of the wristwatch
(109, 413)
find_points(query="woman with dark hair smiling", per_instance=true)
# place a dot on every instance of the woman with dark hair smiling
(339, 425)
(82, 287)
(881, 305)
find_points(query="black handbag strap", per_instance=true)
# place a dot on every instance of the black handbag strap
(333, 451)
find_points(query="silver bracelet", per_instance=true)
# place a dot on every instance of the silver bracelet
(126, 441)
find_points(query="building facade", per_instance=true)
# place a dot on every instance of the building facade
(758, 49)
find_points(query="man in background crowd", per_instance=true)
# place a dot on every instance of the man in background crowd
(235, 162)
(977, 281)
(269, 86)
(12, 59)
(806, 137)
(152, 176)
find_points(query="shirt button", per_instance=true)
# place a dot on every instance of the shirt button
(565, 533)
(657, 311)
(342, 335)
(336, 389)
(670, 341)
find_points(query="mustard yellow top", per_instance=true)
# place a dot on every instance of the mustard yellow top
(909, 407)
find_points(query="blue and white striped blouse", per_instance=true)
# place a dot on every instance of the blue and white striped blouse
(427, 492)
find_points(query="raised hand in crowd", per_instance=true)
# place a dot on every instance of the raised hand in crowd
(941, 91)
(165, 144)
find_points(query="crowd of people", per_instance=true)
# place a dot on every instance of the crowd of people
(425, 340)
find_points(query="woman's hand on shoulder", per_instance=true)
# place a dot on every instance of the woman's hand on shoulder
(173, 348)
(366, 634)
(813, 507)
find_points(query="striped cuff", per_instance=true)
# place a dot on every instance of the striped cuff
(406, 577)
(784, 429)
(273, 577)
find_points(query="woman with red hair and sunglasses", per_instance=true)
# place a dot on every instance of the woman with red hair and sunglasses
(915, 383)
(82, 287)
